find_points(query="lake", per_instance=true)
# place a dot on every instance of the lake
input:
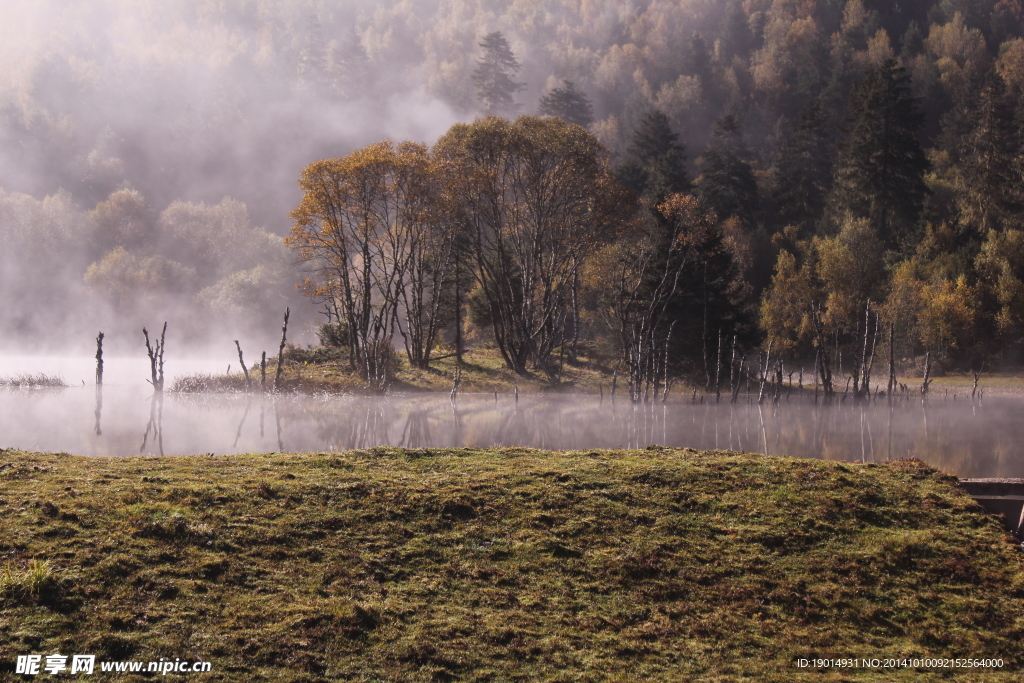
(979, 439)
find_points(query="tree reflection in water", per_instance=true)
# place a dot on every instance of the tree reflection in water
(155, 426)
(960, 437)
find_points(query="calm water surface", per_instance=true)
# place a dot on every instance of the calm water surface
(983, 439)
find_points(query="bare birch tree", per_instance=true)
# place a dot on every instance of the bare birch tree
(646, 273)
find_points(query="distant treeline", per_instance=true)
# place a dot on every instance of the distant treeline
(856, 165)
(530, 224)
(66, 273)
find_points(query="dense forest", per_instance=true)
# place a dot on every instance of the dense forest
(833, 179)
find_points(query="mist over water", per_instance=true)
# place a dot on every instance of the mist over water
(980, 439)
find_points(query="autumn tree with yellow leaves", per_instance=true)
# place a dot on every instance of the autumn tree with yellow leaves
(360, 227)
(531, 210)
(535, 198)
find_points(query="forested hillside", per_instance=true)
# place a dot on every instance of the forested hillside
(836, 152)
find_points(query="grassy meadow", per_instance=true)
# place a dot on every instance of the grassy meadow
(503, 565)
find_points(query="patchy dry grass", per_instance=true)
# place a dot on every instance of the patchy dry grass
(503, 565)
(1004, 383)
(482, 371)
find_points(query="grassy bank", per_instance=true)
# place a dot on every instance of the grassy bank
(521, 565)
(483, 370)
(992, 384)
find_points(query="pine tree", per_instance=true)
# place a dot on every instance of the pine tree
(882, 165)
(495, 76)
(569, 104)
(726, 184)
(698, 61)
(989, 175)
(912, 43)
(805, 170)
(656, 162)
(312, 57)
(349, 65)
(708, 294)
(736, 36)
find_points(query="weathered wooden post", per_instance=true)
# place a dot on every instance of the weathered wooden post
(245, 370)
(764, 373)
(817, 360)
(891, 388)
(718, 369)
(732, 371)
(456, 381)
(99, 360)
(739, 379)
(927, 372)
(280, 350)
(263, 373)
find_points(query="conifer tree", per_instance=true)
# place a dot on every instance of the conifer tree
(805, 169)
(912, 43)
(349, 65)
(726, 184)
(495, 76)
(989, 172)
(736, 36)
(656, 163)
(569, 104)
(882, 164)
(706, 295)
(312, 57)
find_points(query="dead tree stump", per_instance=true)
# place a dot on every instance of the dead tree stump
(280, 350)
(156, 359)
(245, 370)
(99, 360)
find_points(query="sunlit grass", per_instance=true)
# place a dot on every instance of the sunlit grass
(483, 370)
(31, 582)
(510, 564)
(1003, 383)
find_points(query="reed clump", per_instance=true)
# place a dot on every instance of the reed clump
(38, 380)
(201, 382)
